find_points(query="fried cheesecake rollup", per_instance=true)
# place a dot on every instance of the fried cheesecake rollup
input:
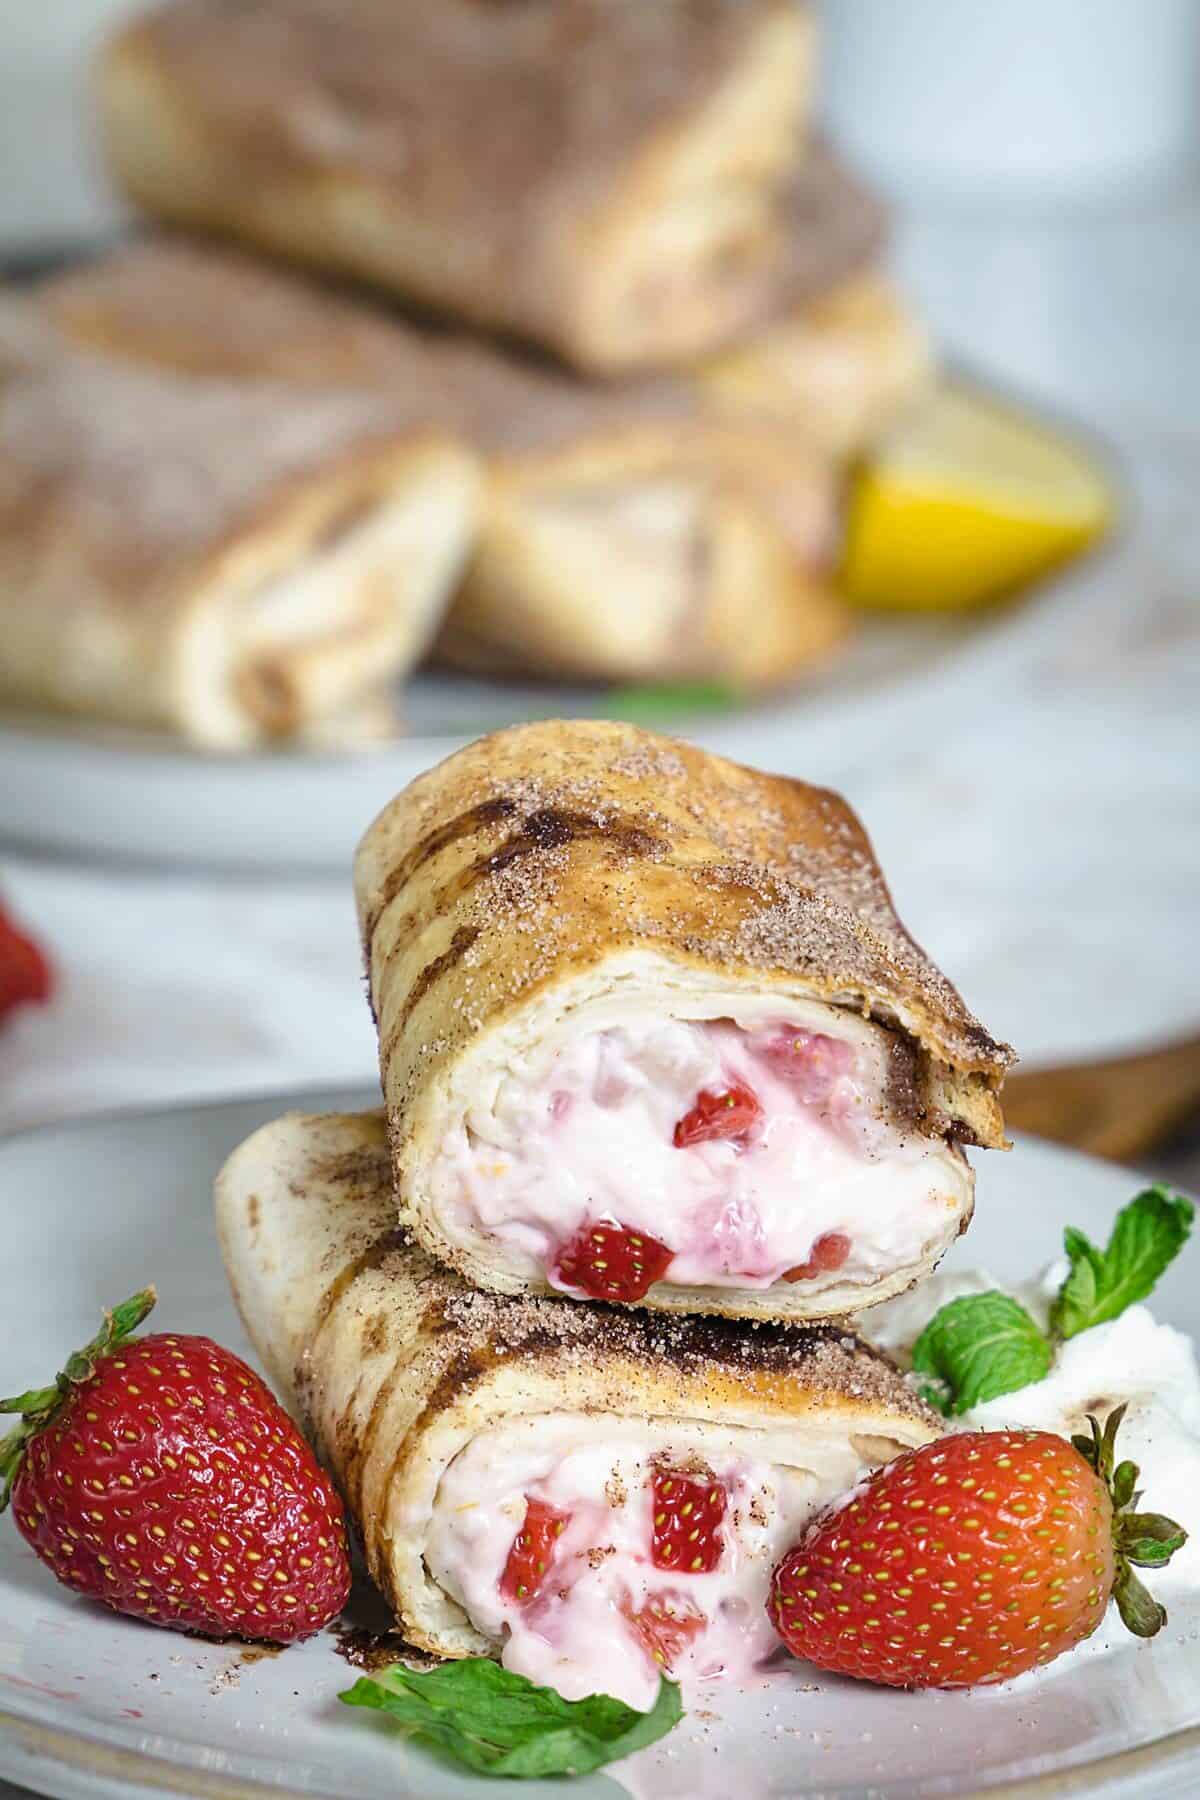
(624, 535)
(651, 1031)
(236, 563)
(604, 177)
(526, 1475)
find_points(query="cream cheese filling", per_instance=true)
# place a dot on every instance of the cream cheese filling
(579, 1632)
(583, 1130)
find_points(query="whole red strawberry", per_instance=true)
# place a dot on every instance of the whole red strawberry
(160, 1476)
(612, 1262)
(25, 975)
(971, 1560)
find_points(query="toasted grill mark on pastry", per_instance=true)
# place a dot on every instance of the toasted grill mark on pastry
(553, 827)
(356, 1170)
(433, 971)
(357, 1450)
(544, 829)
(466, 824)
(370, 1258)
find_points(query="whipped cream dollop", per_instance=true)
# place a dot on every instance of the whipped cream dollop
(603, 1603)
(588, 1131)
(1134, 1360)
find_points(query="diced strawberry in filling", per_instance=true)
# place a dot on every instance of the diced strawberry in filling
(611, 1262)
(828, 1253)
(731, 1113)
(532, 1552)
(688, 1512)
(665, 1625)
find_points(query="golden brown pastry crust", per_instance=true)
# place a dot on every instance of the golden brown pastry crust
(553, 864)
(603, 176)
(393, 1364)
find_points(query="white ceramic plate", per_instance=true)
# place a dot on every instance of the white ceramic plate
(93, 1707)
(124, 793)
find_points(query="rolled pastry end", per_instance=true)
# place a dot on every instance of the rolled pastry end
(685, 1145)
(519, 1469)
(673, 575)
(337, 590)
(651, 1032)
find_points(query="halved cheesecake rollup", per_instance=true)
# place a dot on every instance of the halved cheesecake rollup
(476, 1438)
(233, 562)
(625, 534)
(604, 177)
(650, 1030)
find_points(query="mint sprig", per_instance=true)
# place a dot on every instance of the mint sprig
(499, 1723)
(978, 1347)
(1148, 1235)
(984, 1345)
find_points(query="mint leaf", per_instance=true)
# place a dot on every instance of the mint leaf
(1147, 1236)
(980, 1346)
(501, 1724)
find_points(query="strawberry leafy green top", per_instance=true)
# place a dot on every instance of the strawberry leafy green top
(38, 1406)
(1147, 1539)
(983, 1345)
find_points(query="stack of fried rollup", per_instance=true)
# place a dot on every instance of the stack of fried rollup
(638, 297)
(669, 1090)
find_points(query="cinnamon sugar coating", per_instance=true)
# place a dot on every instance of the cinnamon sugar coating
(551, 849)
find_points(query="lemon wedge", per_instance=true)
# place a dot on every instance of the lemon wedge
(968, 500)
